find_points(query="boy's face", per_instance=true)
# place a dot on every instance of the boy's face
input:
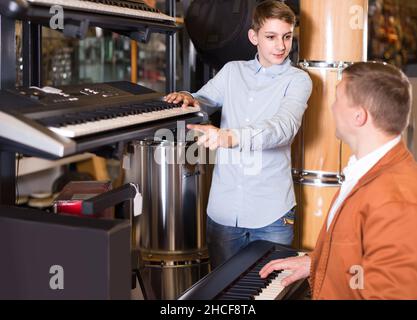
(274, 41)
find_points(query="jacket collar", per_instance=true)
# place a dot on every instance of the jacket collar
(395, 155)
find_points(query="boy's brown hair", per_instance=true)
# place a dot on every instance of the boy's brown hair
(272, 9)
(384, 91)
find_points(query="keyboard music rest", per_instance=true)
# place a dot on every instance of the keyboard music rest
(233, 280)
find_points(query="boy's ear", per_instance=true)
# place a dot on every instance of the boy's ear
(253, 37)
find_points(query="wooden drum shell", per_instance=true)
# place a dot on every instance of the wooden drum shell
(312, 208)
(316, 148)
(333, 34)
(318, 157)
(334, 30)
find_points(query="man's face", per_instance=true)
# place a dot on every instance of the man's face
(274, 41)
(343, 113)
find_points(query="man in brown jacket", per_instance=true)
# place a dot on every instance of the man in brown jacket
(367, 249)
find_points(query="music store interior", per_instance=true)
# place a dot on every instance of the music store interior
(90, 208)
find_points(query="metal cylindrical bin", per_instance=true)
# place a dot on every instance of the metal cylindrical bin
(171, 231)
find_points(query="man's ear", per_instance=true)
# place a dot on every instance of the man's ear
(361, 116)
(253, 37)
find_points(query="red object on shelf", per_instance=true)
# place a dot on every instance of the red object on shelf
(70, 207)
(71, 198)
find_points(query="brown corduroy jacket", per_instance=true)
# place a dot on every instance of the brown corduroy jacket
(370, 250)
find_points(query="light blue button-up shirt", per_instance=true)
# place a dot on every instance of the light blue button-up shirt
(252, 184)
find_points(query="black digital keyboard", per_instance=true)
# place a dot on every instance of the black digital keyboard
(238, 278)
(56, 122)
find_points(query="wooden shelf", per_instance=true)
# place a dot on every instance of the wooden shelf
(32, 165)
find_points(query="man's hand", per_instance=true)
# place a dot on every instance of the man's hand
(185, 98)
(214, 137)
(299, 265)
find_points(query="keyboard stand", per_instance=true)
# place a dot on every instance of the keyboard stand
(7, 80)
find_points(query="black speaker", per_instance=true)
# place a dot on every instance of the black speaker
(50, 256)
(219, 29)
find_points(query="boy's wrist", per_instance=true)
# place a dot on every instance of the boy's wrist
(188, 94)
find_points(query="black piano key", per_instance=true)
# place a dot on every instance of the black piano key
(254, 277)
(249, 292)
(258, 267)
(253, 273)
(251, 281)
(253, 285)
(70, 119)
(51, 122)
(247, 287)
(257, 284)
(229, 298)
(235, 296)
(253, 290)
(250, 273)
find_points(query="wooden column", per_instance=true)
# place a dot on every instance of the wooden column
(333, 34)
(133, 61)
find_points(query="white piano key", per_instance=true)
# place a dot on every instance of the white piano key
(274, 289)
(91, 127)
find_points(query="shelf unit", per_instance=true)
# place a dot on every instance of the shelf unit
(32, 165)
(76, 25)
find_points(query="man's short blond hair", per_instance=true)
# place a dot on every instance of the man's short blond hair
(384, 91)
(272, 9)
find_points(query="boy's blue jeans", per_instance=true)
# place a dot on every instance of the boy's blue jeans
(224, 242)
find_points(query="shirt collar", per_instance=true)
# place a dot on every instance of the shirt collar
(356, 169)
(274, 70)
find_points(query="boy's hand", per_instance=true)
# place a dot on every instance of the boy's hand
(185, 98)
(299, 265)
(214, 137)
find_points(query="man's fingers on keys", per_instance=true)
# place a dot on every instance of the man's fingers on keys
(290, 279)
(274, 265)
